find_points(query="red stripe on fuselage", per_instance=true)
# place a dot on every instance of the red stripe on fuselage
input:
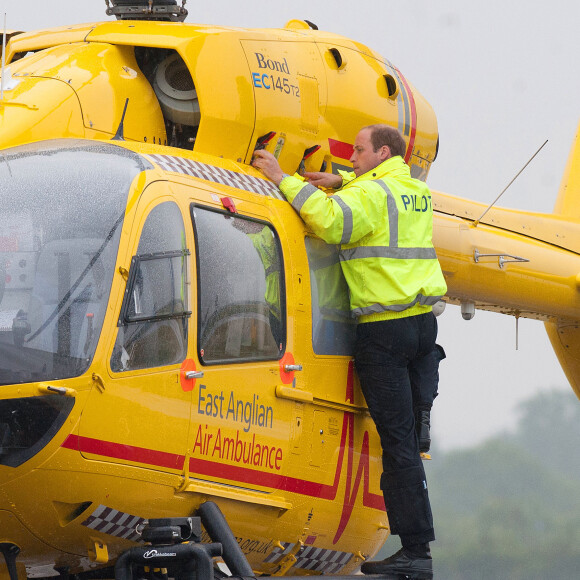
(236, 473)
(413, 108)
(124, 452)
(340, 149)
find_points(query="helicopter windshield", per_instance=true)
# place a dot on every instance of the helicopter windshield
(62, 205)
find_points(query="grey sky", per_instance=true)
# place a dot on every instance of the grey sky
(502, 77)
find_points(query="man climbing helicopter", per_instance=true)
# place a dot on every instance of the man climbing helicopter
(382, 218)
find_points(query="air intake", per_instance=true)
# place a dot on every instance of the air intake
(176, 92)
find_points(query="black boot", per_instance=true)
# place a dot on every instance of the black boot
(404, 562)
(423, 428)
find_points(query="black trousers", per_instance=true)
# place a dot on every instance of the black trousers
(393, 358)
(425, 380)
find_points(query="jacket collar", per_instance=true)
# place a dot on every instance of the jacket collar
(392, 167)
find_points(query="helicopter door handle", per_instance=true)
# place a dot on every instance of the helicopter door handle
(290, 368)
(194, 374)
(50, 390)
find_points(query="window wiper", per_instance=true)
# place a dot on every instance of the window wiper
(78, 281)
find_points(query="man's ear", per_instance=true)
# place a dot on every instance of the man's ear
(385, 152)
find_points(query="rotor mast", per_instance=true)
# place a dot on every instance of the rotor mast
(167, 10)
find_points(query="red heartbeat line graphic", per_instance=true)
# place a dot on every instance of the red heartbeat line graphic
(351, 488)
(239, 474)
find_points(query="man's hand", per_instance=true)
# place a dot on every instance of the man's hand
(322, 179)
(268, 165)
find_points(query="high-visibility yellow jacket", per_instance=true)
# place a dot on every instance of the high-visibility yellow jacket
(266, 248)
(383, 221)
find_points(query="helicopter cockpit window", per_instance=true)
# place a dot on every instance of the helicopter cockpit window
(240, 288)
(333, 328)
(153, 319)
(62, 206)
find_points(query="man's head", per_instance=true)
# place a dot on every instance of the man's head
(375, 144)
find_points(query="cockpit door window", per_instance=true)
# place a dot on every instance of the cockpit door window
(153, 319)
(240, 288)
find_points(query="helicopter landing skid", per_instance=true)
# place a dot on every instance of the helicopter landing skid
(398, 577)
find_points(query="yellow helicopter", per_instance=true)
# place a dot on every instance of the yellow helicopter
(192, 347)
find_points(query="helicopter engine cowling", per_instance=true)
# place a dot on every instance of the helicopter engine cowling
(79, 90)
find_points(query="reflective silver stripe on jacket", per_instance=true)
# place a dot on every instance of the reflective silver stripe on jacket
(302, 196)
(362, 252)
(347, 223)
(393, 215)
(392, 250)
(378, 308)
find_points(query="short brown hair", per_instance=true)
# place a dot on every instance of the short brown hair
(389, 136)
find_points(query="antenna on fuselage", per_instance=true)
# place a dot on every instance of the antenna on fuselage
(120, 134)
(476, 222)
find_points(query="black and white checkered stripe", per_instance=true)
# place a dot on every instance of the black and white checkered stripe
(216, 174)
(312, 558)
(115, 523)
(122, 525)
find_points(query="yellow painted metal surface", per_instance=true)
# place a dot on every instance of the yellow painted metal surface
(79, 90)
(305, 85)
(291, 457)
(138, 443)
(544, 286)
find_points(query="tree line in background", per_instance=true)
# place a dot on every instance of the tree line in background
(509, 509)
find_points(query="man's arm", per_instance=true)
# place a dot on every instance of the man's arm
(270, 167)
(333, 220)
(322, 179)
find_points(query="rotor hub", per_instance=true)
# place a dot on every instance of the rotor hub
(167, 10)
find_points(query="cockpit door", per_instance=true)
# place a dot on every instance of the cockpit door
(141, 413)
